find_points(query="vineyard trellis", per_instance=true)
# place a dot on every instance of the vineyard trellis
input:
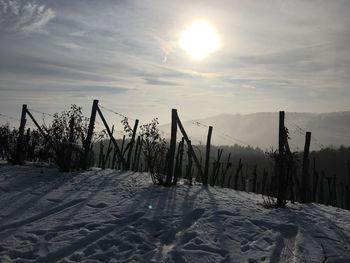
(184, 159)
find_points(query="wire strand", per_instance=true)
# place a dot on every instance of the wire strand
(41, 112)
(303, 132)
(9, 117)
(117, 113)
(216, 131)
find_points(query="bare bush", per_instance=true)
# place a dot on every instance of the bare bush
(67, 134)
(154, 150)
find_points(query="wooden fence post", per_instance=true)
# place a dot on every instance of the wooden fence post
(207, 156)
(238, 170)
(101, 155)
(122, 151)
(224, 172)
(178, 164)
(255, 175)
(347, 189)
(26, 143)
(19, 157)
(321, 189)
(315, 182)
(263, 186)
(190, 148)
(181, 157)
(89, 135)
(110, 134)
(68, 156)
(305, 170)
(334, 191)
(330, 193)
(109, 150)
(45, 135)
(348, 166)
(136, 153)
(281, 200)
(216, 168)
(128, 160)
(172, 149)
(189, 165)
(342, 195)
(114, 159)
(139, 156)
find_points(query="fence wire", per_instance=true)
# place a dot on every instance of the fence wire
(216, 132)
(9, 117)
(302, 132)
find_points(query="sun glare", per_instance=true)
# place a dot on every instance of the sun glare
(199, 40)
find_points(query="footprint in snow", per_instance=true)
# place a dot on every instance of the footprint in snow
(189, 219)
(192, 217)
(98, 205)
(54, 200)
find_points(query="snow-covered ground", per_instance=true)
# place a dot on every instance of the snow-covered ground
(113, 216)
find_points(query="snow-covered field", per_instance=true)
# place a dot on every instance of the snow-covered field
(113, 216)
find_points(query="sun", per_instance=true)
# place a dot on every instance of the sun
(199, 39)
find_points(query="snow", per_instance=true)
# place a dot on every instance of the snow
(115, 216)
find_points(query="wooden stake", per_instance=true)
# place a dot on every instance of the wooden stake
(321, 189)
(305, 170)
(68, 157)
(347, 189)
(109, 150)
(189, 166)
(190, 148)
(265, 174)
(88, 139)
(19, 158)
(122, 150)
(171, 154)
(128, 162)
(135, 154)
(216, 168)
(100, 156)
(315, 182)
(334, 191)
(207, 156)
(139, 155)
(255, 175)
(41, 130)
(111, 136)
(224, 172)
(178, 166)
(181, 157)
(238, 170)
(281, 200)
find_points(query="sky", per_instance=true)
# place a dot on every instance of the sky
(275, 55)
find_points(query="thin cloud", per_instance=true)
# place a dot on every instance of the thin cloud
(154, 81)
(25, 17)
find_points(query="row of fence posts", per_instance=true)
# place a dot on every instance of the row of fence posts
(286, 175)
(125, 164)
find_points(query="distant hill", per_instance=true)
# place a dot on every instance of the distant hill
(261, 129)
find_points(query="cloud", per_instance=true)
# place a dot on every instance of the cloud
(154, 81)
(76, 89)
(23, 16)
(69, 45)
